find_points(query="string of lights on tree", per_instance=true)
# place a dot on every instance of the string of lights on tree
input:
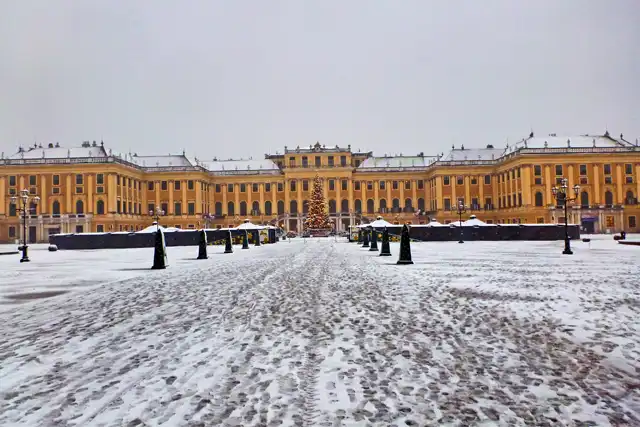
(317, 216)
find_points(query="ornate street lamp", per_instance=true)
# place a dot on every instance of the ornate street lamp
(207, 219)
(156, 216)
(461, 209)
(25, 209)
(561, 194)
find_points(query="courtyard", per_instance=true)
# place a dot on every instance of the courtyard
(323, 332)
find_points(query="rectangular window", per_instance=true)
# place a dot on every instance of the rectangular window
(369, 185)
(330, 159)
(150, 186)
(607, 169)
(305, 185)
(280, 186)
(608, 179)
(255, 188)
(99, 189)
(356, 185)
(100, 228)
(474, 181)
(446, 180)
(628, 179)
(218, 188)
(447, 204)
(474, 203)
(151, 208)
(407, 185)
(632, 222)
(628, 169)
(79, 179)
(229, 188)
(267, 187)
(487, 180)
(538, 180)
(537, 170)
(318, 161)
(191, 208)
(383, 185)
(33, 190)
(78, 190)
(177, 208)
(292, 185)
(584, 180)
(243, 188)
(583, 170)
(420, 184)
(12, 180)
(332, 185)
(164, 185)
(164, 207)
(459, 180)
(176, 185)
(32, 180)
(13, 211)
(394, 185)
(344, 183)
(12, 232)
(558, 170)
(56, 190)
(343, 160)
(292, 162)
(100, 179)
(190, 185)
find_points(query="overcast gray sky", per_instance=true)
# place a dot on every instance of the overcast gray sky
(242, 77)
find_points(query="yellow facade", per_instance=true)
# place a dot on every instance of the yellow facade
(90, 190)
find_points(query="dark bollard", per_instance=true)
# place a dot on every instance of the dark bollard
(365, 239)
(245, 240)
(405, 247)
(159, 252)
(374, 240)
(257, 237)
(386, 250)
(202, 245)
(359, 235)
(228, 247)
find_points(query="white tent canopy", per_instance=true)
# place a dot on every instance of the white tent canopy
(473, 221)
(152, 229)
(378, 223)
(248, 225)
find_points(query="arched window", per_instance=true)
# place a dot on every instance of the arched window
(267, 208)
(344, 206)
(280, 207)
(358, 206)
(408, 205)
(231, 208)
(293, 207)
(332, 206)
(243, 208)
(421, 204)
(100, 207)
(305, 206)
(383, 205)
(539, 201)
(370, 206)
(33, 209)
(55, 208)
(79, 207)
(218, 209)
(608, 198)
(584, 199)
(255, 208)
(395, 205)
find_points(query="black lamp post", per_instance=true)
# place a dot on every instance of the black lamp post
(561, 195)
(156, 216)
(25, 210)
(461, 209)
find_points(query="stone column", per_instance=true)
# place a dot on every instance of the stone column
(199, 202)
(619, 185)
(69, 191)
(3, 195)
(548, 184)
(89, 189)
(596, 186)
(225, 210)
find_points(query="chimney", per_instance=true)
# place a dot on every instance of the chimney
(57, 145)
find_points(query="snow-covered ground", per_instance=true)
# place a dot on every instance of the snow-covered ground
(324, 333)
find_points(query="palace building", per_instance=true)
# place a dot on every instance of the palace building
(88, 188)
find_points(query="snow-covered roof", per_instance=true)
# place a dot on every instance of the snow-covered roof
(579, 141)
(160, 161)
(432, 223)
(378, 223)
(397, 162)
(57, 152)
(474, 221)
(461, 154)
(238, 165)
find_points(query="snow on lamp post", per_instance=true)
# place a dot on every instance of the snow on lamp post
(461, 209)
(24, 208)
(561, 194)
(156, 214)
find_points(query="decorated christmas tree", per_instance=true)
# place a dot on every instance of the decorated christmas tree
(317, 218)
